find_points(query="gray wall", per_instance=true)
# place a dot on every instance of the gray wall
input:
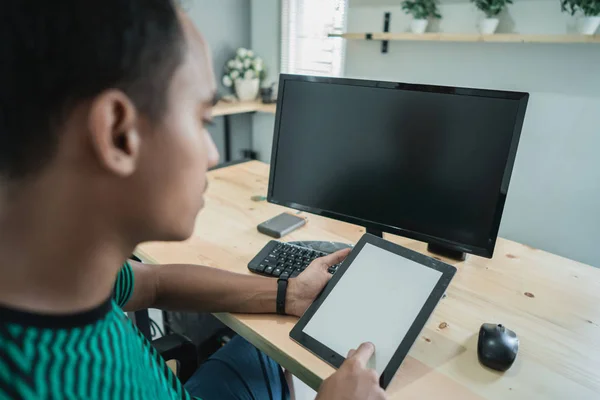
(226, 26)
(266, 42)
(554, 197)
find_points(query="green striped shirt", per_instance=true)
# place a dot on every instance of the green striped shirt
(98, 354)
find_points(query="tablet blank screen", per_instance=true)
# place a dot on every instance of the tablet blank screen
(377, 300)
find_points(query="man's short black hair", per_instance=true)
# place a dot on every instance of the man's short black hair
(56, 53)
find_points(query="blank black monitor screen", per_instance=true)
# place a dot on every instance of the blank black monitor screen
(428, 162)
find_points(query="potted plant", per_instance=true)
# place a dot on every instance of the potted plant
(591, 14)
(421, 11)
(491, 9)
(244, 72)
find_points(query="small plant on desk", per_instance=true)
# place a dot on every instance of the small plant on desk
(421, 11)
(244, 72)
(590, 9)
(491, 9)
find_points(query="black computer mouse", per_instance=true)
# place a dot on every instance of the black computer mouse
(497, 346)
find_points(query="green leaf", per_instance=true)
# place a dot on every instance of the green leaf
(491, 8)
(421, 9)
(589, 8)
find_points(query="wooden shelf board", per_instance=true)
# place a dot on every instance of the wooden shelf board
(473, 37)
(240, 107)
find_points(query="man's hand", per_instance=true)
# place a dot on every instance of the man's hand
(305, 288)
(354, 381)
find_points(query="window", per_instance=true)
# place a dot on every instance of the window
(305, 47)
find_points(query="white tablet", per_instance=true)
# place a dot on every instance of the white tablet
(382, 293)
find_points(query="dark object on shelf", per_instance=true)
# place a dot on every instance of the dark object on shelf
(497, 346)
(386, 28)
(266, 94)
(248, 154)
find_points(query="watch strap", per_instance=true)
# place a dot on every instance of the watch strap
(282, 284)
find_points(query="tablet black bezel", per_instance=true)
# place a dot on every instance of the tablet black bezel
(335, 359)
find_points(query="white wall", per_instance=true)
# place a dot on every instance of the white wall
(226, 26)
(554, 198)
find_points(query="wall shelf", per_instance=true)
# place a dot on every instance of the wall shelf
(471, 37)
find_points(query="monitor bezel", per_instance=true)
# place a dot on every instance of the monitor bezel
(483, 251)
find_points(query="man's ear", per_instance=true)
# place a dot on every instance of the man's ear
(113, 127)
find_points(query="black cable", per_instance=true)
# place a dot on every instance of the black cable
(266, 376)
(154, 325)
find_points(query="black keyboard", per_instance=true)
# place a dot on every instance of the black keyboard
(277, 259)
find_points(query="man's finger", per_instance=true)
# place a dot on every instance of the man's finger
(335, 258)
(364, 353)
(351, 353)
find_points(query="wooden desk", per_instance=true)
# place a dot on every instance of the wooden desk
(225, 109)
(552, 303)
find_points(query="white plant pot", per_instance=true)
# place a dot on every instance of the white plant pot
(488, 26)
(418, 25)
(588, 25)
(247, 89)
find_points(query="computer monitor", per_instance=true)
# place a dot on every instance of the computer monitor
(431, 163)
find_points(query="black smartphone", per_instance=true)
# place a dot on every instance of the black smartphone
(281, 225)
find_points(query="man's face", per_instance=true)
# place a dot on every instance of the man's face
(176, 154)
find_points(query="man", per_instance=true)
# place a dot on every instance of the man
(103, 146)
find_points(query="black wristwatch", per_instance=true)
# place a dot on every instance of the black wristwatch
(282, 284)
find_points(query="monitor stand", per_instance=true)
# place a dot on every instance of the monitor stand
(375, 232)
(446, 252)
(432, 248)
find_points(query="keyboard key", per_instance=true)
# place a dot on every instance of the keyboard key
(285, 275)
(285, 258)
